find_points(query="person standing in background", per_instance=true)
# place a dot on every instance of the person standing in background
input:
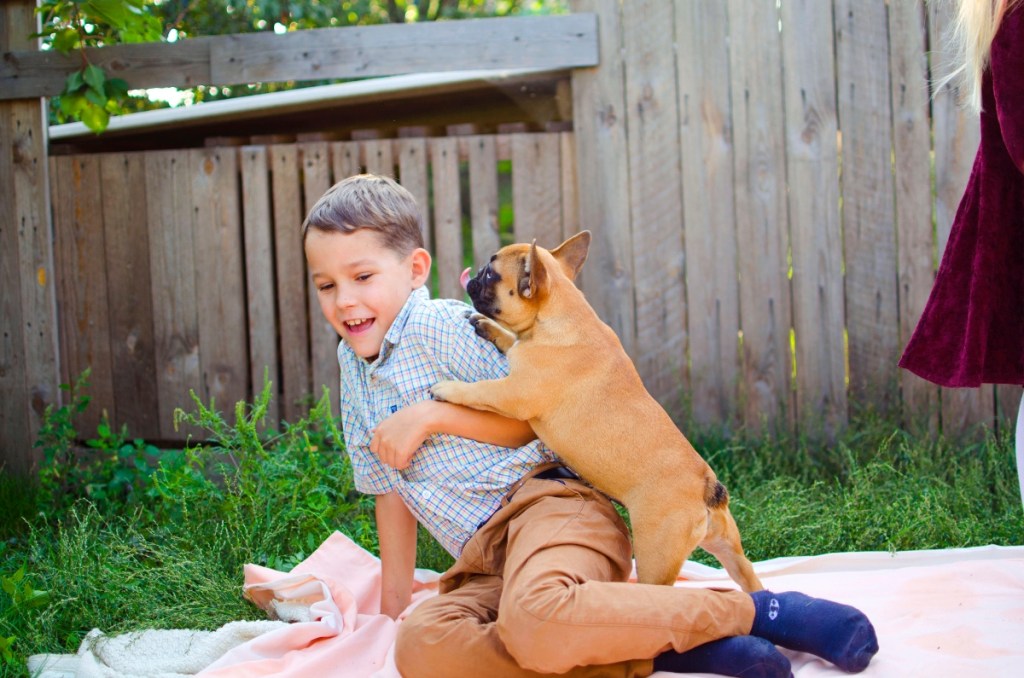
(971, 331)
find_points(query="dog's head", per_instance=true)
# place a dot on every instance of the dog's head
(514, 285)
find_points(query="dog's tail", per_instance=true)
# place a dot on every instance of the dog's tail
(715, 494)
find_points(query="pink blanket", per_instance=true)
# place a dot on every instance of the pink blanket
(937, 613)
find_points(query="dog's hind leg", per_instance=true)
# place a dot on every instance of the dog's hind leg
(661, 543)
(723, 542)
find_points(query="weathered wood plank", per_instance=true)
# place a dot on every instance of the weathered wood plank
(702, 64)
(652, 124)
(956, 135)
(316, 173)
(32, 329)
(123, 177)
(762, 214)
(261, 301)
(868, 218)
(599, 121)
(379, 157)
(412, 171)
(1008, 404)
(549, 42)
(220, 278)
(172, 264)
(293, 316)
(570, 190)
(345, 160)
(444, 162)
(386, 49)
(16, 431)
(912, 166)
(82, 284)
(483, 198)
(536, 184)
(811, 170)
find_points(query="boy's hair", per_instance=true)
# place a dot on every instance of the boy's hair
(373, 202)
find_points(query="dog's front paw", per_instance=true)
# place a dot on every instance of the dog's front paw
(491, 331)
(445, 390)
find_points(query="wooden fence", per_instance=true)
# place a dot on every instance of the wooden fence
(769, 184)
(183, 270)
(760, 174)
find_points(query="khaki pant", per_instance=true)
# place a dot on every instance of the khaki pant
(541, 589)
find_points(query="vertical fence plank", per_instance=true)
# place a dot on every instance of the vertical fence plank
(536, 180)
(220, 279)
(912, 166)
(444, 161)
(868, 220)
(702, 63)
(29, 373)
(762, 215)
(570, 195)
(1008, 402)
(379, 157)
(16, 429)
(123, 177)
(344, 159)
(599, 122)
(956, 137)
(261, 302)
(483, 198)
(324, 340)
(173, 285)
(82, 286)
(811, 169)
(652, 122)
(293, 319)
(412, 171)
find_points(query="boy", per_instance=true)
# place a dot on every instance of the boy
(539, 584)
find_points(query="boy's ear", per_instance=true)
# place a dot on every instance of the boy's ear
(573, 252)
(533, 275)
(420, 267)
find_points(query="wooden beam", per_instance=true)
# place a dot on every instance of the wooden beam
(28, 354)
(548, 42)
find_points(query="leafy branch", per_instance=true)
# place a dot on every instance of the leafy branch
(90, 94)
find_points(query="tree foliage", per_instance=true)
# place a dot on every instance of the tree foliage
(91, 96)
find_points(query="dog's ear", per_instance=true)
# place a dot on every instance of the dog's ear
(573, 252)
(533, 274)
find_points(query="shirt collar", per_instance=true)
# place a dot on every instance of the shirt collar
(394, 334)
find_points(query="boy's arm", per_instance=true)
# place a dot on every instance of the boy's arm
(396, 530)
(396, 439)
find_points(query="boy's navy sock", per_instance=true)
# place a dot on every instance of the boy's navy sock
(738, 656)
(839, 633)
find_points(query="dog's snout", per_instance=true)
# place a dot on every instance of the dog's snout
(473, 287)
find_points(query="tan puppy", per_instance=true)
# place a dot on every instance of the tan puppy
(572, 380)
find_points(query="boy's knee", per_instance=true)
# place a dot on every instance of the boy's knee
(529, 629)
(417, 647)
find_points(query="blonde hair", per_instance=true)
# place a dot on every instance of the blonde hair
(372, 202)
(970, 40)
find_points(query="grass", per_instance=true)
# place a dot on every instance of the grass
(120, 543)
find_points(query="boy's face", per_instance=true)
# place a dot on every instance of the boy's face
(362, 285)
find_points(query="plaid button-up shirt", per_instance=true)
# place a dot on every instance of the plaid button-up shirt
(453, 484)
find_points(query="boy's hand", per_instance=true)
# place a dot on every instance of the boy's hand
(396, 439)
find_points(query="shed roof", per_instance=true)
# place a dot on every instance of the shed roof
(390, 106)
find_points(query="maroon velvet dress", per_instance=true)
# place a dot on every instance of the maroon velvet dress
(972, 329)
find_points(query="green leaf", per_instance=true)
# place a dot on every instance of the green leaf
(95, 76)
(95, 118)
(116, 88)
(72, 85)
(65, 40)
(37, 599)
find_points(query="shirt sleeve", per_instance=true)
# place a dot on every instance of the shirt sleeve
(369, 474)
(1006, 63)
(458, 348)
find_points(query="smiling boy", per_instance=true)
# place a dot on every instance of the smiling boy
(539, 583)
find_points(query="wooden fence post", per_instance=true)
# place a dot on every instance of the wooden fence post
(28, 345)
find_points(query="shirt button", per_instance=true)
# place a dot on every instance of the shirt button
(426, 494)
